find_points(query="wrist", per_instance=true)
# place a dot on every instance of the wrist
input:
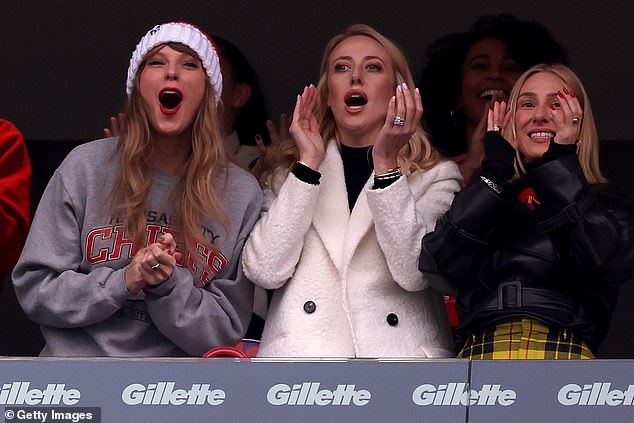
(384, 166)
(311, 162)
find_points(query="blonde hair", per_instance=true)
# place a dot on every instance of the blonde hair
(417, 154)
(588, 148)
(194, 195)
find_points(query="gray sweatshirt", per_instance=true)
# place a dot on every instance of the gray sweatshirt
(69, 278)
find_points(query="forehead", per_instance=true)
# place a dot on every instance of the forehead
(173, 48)
(488, 46)
(542, 82)
(359, 46)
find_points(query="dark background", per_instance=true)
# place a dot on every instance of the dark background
(64, 63)
(63, 67)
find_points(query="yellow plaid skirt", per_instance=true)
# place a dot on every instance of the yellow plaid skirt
(525, 339)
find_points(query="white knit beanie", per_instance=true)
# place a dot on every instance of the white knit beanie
(183, 33)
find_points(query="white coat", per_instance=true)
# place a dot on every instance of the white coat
(347, 284)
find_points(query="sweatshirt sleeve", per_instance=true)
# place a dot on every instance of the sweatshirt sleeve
(199, 318)
(402, 218)
(15, 179)
(49, 281)
(275, 245)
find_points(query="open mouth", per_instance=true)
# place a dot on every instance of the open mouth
(491, 95)
(356, 99)
(170, 100)
(541, 136)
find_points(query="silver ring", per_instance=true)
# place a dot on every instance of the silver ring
(398, 121)
(156, 266)
(496, 128)
(575, 119)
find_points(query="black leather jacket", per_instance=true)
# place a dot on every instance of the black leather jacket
(556, 253)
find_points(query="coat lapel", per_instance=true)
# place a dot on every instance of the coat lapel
(331, 212)
(360, 222)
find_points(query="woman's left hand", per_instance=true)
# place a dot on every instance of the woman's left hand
(152, 265)
(403, 116)
(567, 117)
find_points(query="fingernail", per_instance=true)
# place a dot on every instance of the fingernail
(270, 123)
(552, 106)
(566, 90)
(399, 88)
(559, 93)
(417, 92)
(405, 86)
(572, 94)
(393, 99)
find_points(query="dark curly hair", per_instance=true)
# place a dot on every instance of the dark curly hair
(528, 42)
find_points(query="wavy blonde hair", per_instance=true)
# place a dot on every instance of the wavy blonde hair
(194, 195)
(588, 148)
(416, 155)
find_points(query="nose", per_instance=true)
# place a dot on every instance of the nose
(356, 77)
(542, 113)
(171, 73)
(494, 72)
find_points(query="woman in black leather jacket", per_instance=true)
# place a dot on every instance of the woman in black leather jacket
(535, 247)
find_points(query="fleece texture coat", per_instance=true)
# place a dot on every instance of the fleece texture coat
(347, 283)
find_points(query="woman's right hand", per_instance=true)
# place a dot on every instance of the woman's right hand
(152, 265)
(498, 119)
(305, 129)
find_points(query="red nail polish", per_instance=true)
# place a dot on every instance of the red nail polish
(566, 90)
(572, 94)
(559, 93)
(552, 106)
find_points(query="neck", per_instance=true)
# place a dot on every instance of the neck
(170, 153)
(358, 138)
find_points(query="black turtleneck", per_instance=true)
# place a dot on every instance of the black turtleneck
(357, 168)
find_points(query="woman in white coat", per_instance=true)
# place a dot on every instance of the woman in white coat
(347, 202)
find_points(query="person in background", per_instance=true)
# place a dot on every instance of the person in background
(346, 202)
(15, 200)
(135, 247)
(536, 246)
(466, 72)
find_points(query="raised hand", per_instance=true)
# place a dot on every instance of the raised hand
(567, 117)
(277, 137)
(403, 115)
(498, 119)
(116, 126)
(305, 129)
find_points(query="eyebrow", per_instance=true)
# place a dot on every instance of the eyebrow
(532, 94)
(365, 58)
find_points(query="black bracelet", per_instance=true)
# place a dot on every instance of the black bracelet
(305, 174)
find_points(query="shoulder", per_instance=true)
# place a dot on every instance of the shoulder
(239, 181)
(443, 170)
(99, 151)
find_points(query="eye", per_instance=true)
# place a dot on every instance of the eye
(556, 104)
(479, 64)
(191, 64)
(341, 67)
(511, 66)
(374, 67)
(155, 62)
(526, 105)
